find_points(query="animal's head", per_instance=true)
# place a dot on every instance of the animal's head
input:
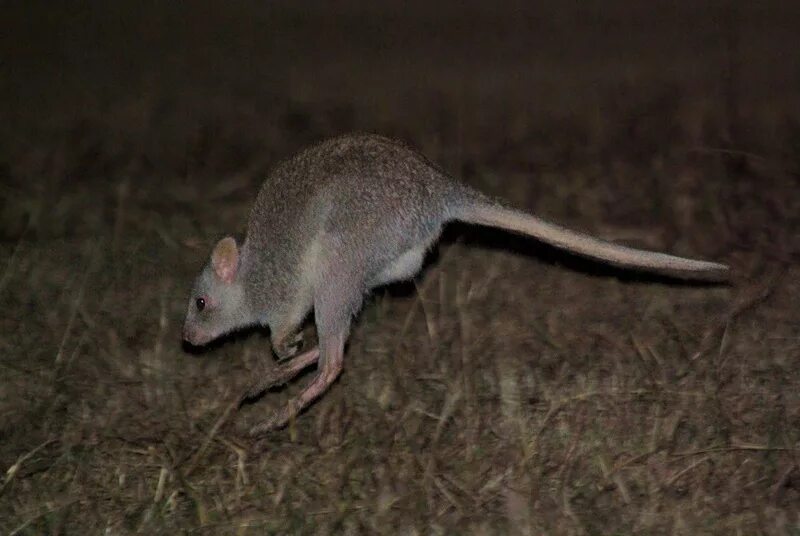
(217, 305)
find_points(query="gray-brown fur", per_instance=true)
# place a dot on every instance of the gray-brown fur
(340, 218)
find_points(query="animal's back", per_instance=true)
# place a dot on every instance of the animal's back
(375, 195)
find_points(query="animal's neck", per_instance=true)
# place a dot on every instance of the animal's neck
(258, 280)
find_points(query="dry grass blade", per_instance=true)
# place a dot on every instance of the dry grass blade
(12, 471)
(734, 448)
(452, 501)
(76, 304)
(48, 509)
(198, 456)
(746, 299)
(668, 483)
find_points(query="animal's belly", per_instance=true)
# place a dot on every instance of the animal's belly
(400, 268)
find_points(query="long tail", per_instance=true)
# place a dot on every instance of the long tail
(479, 209)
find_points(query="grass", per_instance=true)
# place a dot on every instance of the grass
(509, 389)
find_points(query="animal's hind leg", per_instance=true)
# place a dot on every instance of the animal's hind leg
(331, 361)
(283, 373)
(334, 306)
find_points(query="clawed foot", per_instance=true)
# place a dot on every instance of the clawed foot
(271, 378)
(281, 374)
(330, 368)
(277, 420)
(289, 347)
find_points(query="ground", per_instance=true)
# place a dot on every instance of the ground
(510, 388)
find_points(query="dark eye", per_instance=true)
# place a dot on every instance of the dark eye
(201, 304)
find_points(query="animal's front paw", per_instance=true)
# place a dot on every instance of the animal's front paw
(270, 378)
(287, 348)
(276, 421)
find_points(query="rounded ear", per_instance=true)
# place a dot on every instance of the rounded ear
(225, 259)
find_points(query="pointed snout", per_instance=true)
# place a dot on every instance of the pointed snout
(194, 336)
(186, 335)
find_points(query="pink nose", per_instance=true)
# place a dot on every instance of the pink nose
(189, 335)
(196, 336)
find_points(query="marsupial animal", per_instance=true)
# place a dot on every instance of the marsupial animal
(345, 216)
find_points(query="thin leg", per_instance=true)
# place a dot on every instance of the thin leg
(338, 294)
(283, 373)
(331, 360)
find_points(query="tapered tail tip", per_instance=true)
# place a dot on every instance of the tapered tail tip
(710, 271)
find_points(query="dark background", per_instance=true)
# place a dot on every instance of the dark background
(511, 388)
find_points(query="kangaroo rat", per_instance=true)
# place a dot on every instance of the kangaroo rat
(340, 218)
